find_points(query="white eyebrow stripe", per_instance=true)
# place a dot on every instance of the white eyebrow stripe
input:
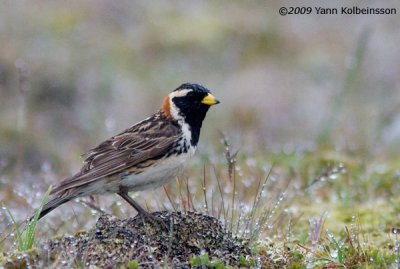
(179, 93)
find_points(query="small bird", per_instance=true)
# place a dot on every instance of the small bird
(144, 156)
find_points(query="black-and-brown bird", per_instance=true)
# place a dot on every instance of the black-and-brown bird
(144, 156)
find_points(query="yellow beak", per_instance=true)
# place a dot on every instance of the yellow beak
(210, 100)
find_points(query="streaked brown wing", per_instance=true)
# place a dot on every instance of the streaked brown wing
(148, 140)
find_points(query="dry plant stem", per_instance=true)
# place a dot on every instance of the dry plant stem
(204, 189)
(147, 206)
(289, 229)
(233, 196)
(296, 220)
(189, 196)
(221, 194)
(349, 237)
(219, 211)
(231, 160)
(257, 200)
(183, 203)
(238, 221)
(279, 220)
(160, 205)
(212, 204)
(92, 206)
(254, 204)
(169, 198)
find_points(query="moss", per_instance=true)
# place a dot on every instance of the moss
(133, 264)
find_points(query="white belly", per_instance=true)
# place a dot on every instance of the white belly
(157, 176)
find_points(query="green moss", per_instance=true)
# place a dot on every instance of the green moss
(296, 265)
(203, 260)
(247, 262)
(133, 264)
(200, 260)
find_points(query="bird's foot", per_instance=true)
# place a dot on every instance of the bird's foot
(154, 219)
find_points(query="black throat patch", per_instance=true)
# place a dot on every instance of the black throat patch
(193, 114)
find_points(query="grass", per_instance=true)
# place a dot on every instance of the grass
(307, 209)
(26, 236)
(323, 213)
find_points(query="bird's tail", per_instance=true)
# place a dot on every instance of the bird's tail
(50, 205)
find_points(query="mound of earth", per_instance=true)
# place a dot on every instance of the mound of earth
(140, 242)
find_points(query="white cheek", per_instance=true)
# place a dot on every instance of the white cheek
(174, 110)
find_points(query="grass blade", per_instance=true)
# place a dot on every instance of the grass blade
(31, 227)
(17, 230)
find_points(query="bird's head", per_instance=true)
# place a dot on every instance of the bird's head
(189, 102)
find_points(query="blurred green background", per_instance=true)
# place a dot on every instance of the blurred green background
(73, 73)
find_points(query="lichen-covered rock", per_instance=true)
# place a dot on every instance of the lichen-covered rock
(113, 242)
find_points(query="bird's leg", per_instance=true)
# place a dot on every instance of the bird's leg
(135, 205)
(140, 209)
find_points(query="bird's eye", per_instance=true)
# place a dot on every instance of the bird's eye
(190, 94)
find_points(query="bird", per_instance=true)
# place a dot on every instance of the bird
(145, 156)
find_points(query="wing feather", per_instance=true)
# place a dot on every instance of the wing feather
(146, 141)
